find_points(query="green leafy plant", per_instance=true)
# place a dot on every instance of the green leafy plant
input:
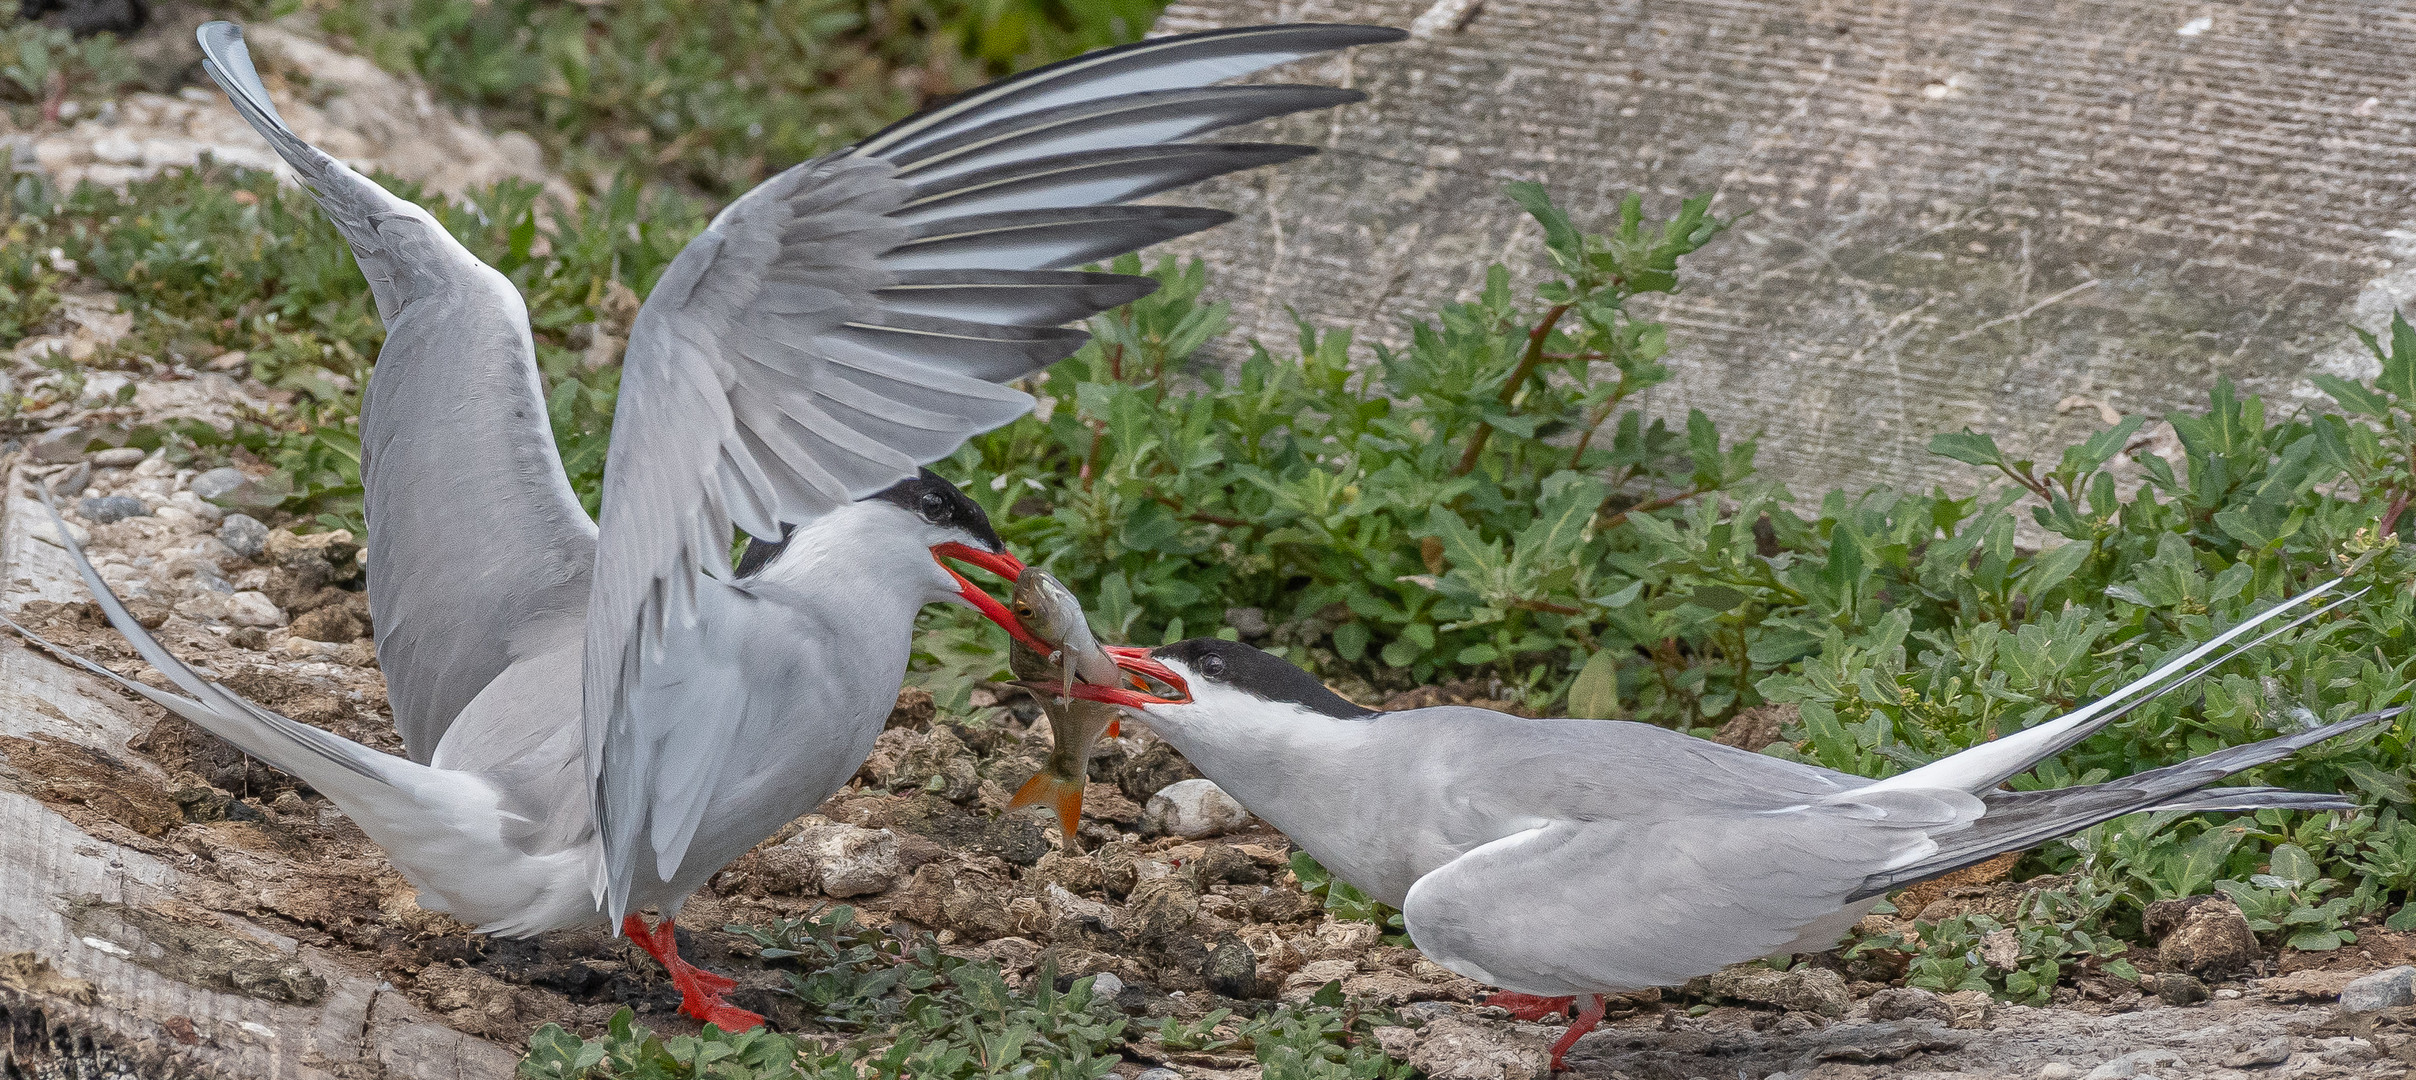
(2056, 932)
(629, 1052)
(848, 974)
(1472, 500)
(2289, 900)
(46, 65)
(718, 94)
(1343, 900)
(1323, 1038)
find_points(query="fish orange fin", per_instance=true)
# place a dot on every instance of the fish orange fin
(1056, 793)
(1115, 727)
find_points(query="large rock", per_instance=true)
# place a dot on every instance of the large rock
(2388, 989)
(1457, 1048)
(1804, 989)
(1961, 213)
(1193, 809)
(2205, 936)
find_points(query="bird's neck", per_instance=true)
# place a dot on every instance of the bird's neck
(857, 548)
(1285, 763)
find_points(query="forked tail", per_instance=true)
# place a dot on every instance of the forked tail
(1055, 792)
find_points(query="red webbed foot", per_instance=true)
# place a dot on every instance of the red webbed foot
(700, 990)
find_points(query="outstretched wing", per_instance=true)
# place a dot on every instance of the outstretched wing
(853, 317)
(478, 550)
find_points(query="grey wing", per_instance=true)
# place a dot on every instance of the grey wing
(478, 550)
(1595, 906)
(853, 317)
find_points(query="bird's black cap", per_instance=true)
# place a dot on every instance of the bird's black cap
(1260, 674)
(925, 495)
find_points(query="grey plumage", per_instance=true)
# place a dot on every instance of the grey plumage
(598, 718)
(769, 379)
(1568, 857)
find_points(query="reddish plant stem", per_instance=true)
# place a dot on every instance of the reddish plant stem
(1176, 505)
(1090, 461)
(1648, 506)
(1547, 606)
(1594, 423)
(2390, 514)
(1518, 378)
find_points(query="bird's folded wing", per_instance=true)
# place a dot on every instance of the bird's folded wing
(477, 546)
(853, 317)
(1690, 895)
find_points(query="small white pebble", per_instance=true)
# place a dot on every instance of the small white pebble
(250, 608)
(110, 947)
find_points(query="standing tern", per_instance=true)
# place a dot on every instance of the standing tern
(1561, 859)
(598, 715)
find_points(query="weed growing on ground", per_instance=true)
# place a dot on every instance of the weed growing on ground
(908, 1010)
(716, 95)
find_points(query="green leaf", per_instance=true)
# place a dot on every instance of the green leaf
(2352, 396)
(2052, 568)
(1560, 524)
(2398, 377)
(1967, 446)
(2292, 863)
(1560, 237)
(2377, 781)
(2402, 920)
(2315, 940)
(1594, 694)
(1717, 598)
(1350, 640)
(1328, 996)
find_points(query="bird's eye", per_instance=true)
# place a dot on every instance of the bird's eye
(934, 507)
(1212, 666)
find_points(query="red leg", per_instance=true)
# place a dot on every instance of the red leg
(1586, 1019)
(700, 990)
(1530, 1007)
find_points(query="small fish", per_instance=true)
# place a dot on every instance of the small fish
(1049, 612)
(1076, 724)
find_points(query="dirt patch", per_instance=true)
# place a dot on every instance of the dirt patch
(191, 946)
(66, 774)
(27, 973)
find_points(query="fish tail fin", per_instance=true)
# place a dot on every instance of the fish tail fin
(1060, 793)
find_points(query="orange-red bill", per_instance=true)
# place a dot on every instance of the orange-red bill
(1057, 793)
(1136, 660)
(999, 562)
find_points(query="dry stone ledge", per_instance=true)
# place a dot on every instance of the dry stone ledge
(95, 917)
(1998, 214)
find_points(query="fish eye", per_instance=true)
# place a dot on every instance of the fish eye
(933, 506)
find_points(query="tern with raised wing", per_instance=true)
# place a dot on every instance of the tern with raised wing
(599, 715)
(1569, 859)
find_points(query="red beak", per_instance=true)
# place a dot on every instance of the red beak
(1000, 563)
(1135, 661)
